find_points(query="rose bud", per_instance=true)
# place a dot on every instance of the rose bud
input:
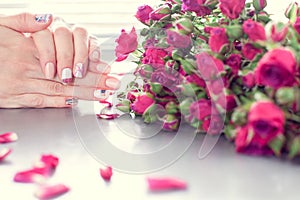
(279, 32)
(124, 106)
(170, 122)
(259, 4)
(161, 13)
(184, 26)
(143, 13)
(234, 32)
(292, 11)
(171, 107)
(274, 71)
(150, 114)
(141, 103)
(218, 39)
(296, 25)
(254, 30)
(249, 80)
(145, 71)
(185, 106)
(285, 95)
(177, 40)
(232, 8)
(213, 125)
(239, 116)
(250, 52)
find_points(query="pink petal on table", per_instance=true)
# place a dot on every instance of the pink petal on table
(106, 173)
(50, 160)
(29, 176)
(8, 137)
(4, 153)
(163, 184)
(108, 116)
(49, 192)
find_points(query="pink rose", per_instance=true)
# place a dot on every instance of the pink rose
(234, 61)
(142, 13)
(274, 71)
(196, 6)
(178, 40)
(165, 78)
(208, 66)
(161, 13)
(228, 103)
(232, 8)
(195, 79)
(126, 43)
(254, 30)
(202, 108)
(297, 25)
(154, 57)
(249, 51)
(278, 35)
(141, 103)
(266, 121)
(213, 125)
(249, 80)
(218, 39)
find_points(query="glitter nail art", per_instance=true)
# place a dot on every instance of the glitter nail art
(44, 18)
(79, 70)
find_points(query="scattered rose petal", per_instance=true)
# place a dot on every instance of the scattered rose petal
(163, 184)
(106, 173)
(4, 153)
(49, 192)
(108, 116)
(8, 137)
(29, 176)
(43, 169)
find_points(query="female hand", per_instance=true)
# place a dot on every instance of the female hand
(22, 82)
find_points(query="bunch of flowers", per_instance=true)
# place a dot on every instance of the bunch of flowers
(222, 66)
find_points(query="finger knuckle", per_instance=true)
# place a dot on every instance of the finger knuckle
(56, 88)
(36, 101)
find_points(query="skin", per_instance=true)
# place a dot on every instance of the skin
(22, 78)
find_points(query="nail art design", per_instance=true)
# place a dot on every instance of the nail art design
(101, 94)
(44, 18)
(79, 70)
(72, 101)
(66, 75)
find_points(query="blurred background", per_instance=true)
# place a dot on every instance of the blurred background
(103, 17)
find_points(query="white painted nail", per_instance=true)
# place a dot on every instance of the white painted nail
(66, 75)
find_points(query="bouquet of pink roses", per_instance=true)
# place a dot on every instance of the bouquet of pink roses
(222, 66)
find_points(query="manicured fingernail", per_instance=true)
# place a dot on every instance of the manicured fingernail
(66, 75)
(102, 67)
(112, 83)
(79, 70)
(44, 18)
(72, 101)
(95, 55)
(49, 70)
(101, 94)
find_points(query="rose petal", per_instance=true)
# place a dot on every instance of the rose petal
(8, 137)
(49, 192)
(163, 184)
(106, 173)
(108, 116)
(4, 153)
(50, 160)
(29, 176)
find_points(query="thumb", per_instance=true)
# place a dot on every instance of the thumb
(26, 22)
